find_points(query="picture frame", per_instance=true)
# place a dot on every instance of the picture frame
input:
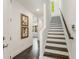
(24, 32)
(24, 26)
(24, 20)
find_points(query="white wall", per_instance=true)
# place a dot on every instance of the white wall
(18, 44)
(12, 28)
(69, 12)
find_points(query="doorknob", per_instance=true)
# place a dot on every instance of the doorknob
(5, 45)
(3, 38)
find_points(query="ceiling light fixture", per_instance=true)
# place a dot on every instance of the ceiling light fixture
(37, 9)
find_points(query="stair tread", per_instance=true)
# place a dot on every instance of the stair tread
(57, 52)
(56, 35)
(45, 57)
(57, 56)
(57, 40)
(56, 45)
(56, 48)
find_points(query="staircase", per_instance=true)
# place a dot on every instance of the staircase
(55, 47)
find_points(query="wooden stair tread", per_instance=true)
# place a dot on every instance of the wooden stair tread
(64, 43)
(57, 56)
(57, 48)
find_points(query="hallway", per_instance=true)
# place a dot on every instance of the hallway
(39, 29)
(31, 53)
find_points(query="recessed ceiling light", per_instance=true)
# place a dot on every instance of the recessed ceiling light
(37, 9)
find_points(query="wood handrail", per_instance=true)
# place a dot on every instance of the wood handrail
(70, 37)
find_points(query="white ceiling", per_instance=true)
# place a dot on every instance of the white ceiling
(32, 5)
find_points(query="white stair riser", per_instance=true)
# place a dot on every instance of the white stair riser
(48, 57)
(56, 40)
(56, 45)
(56, 29)
(56, 36)
(56, 32)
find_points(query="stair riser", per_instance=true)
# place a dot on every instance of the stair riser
(60, 36)
(56, 45)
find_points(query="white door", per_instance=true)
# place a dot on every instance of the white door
(7, 29)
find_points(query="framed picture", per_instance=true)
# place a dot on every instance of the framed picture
(24, 32)
(24, 20)
(24, 26)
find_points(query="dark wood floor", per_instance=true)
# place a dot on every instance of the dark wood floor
(31, 53)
